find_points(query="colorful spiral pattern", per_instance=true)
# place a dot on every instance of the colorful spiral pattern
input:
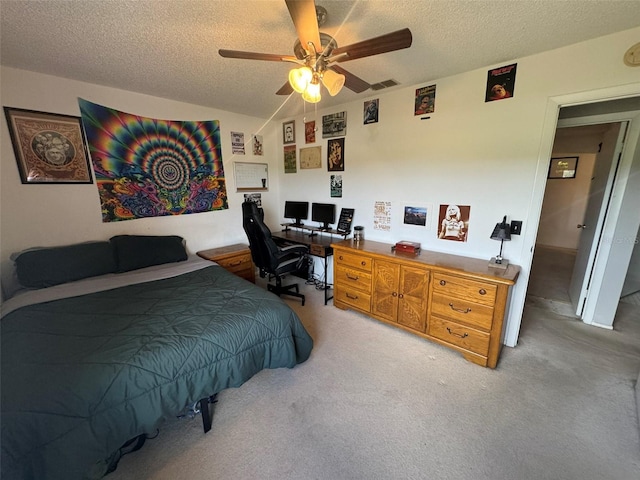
(146, 167)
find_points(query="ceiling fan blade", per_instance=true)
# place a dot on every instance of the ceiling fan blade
(374, 46)
(351, 81)
(257, 56)
(286, 89)
(303, 14)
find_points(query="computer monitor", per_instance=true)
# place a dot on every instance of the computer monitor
(296, 211)
(324, 213)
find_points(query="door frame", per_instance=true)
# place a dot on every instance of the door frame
(530, 230)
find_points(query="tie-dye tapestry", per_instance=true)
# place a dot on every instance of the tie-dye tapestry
(146, 167)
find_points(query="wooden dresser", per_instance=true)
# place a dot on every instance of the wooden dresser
(456, 301)
(234, 258)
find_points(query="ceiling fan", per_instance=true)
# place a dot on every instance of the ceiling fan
(318, 54)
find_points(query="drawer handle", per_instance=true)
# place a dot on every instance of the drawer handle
(457, 334)
(363, 263)
(352, 278)
(482, 291)
(351, 296)
(341, 257)
(235, 263)
(400, 295)
(394, 294)
(443, 283)
(459, 309)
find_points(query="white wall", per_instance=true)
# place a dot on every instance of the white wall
(469, 152)
(46, 215)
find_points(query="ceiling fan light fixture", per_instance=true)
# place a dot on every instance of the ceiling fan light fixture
(312, 92)
(300, 78)
(333, 82)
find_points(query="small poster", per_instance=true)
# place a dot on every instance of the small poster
(454, 222)
(237, 143)
(382, 216)
(336, 185)
(290, 165)
(335, 155)
(310, 132)
(371, 111)
(334, 125)
(310, 157)
(415, 216)
(257, 145)
(253, 197)
(501, 83)
(425, 101)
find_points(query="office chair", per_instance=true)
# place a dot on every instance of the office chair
(271, 259)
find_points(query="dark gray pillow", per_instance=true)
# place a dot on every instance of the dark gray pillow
(45, 267)
(139, 251)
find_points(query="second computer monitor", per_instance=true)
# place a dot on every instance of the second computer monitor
(324, 213)
(296, 211)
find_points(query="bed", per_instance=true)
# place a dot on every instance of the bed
(91, 363)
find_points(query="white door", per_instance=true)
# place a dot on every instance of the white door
(602, 181)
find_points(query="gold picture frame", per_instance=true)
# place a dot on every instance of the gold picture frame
(49, 147)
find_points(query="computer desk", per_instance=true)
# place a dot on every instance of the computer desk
(319, 245)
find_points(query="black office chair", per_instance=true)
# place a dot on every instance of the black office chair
(271, 259)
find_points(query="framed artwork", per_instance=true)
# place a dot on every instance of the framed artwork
(563, 167)
(49, 147)
(371, 111)
(290, 159)
(310, 157)
(289, 132)
(334, 125)
(335, 155)
(310, 132)
(454, 222)
(425, 100)
(257, 145)
(501, 83)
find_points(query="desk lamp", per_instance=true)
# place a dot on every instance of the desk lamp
(502, 232)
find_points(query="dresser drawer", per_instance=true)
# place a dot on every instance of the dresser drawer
(472, 290)
(460, 335)
(460, 310)
(236, 262)
(352, 297)
(352, 278)
(361, 262)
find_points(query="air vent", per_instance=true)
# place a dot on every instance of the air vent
(384, 84)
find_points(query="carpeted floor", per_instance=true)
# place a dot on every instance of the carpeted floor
(373, 402)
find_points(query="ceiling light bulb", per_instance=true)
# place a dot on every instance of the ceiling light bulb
(312, 93)
(299, 78)
(333, 82)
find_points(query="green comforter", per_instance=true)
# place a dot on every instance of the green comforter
(81, 376)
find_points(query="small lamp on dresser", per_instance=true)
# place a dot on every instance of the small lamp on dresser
(502, 232)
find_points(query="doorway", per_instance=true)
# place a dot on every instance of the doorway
(564, 243)
(607, 266)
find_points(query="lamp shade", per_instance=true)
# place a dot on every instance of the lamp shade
(333, 82)
(299, 78)
(312, 93)
(502, 231)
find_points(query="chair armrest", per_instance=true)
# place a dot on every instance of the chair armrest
(295, 249)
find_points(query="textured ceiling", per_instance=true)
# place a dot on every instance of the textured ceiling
(169, 48)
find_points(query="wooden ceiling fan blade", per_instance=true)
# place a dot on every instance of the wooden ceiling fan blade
(374, 46)
(270, 57)
(286, 89)
(303, 14)
(351, 81)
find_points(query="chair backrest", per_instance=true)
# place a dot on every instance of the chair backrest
(263, 249)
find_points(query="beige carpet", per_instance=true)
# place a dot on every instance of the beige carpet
(373, 402)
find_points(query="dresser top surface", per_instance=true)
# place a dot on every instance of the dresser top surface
(445, 261)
